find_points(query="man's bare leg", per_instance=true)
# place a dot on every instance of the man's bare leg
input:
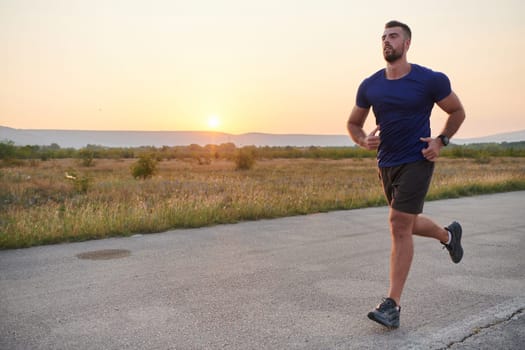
(425, 227)
(402, 227)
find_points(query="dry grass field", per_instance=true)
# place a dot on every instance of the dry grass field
(45, 202)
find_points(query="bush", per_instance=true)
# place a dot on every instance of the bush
(86, 155)
(7, 150)
(145, 167)
(245, 158)
(82, 184)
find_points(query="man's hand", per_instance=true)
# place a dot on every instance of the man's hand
(431, 152)
(371, 141)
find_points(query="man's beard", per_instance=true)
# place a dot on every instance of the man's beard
(393, 55)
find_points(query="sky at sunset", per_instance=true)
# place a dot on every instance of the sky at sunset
(273, 66)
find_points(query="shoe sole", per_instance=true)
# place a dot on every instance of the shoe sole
(374, 317)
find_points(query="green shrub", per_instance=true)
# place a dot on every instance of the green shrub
(7, 150)
(82, 184)
(145, 167)
(86, 155)
(245, 158)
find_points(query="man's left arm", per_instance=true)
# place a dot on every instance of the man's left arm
(456, 115)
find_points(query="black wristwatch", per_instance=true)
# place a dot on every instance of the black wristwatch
(444, 139)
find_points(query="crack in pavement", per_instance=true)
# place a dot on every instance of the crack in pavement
(508, 315)
(478, 330)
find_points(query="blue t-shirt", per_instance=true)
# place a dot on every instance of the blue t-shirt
(402, 109)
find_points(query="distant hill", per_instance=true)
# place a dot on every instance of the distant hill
(81, 138)
(514, 136)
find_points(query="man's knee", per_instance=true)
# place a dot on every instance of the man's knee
(401, 224)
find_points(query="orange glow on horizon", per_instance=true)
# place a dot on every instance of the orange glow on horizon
(112, 65)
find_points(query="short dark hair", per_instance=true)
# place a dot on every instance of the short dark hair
(406, 29)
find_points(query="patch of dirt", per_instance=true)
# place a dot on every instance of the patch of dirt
(104, 254)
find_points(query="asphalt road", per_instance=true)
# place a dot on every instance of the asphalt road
(304, 282)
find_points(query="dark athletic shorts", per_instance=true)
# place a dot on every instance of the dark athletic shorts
(406, 185)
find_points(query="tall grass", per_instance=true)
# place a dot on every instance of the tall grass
(39, 205)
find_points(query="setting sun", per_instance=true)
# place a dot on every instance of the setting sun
(213, 122)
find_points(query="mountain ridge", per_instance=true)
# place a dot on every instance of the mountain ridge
(107, 138)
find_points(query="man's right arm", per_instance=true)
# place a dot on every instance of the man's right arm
(355, 125)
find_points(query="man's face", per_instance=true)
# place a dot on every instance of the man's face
(394, 44)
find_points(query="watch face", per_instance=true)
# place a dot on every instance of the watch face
(444, 139)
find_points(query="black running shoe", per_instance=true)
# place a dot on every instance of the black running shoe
(386, 313)
(454, 248)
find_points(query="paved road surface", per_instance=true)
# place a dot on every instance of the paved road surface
(303, 282)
